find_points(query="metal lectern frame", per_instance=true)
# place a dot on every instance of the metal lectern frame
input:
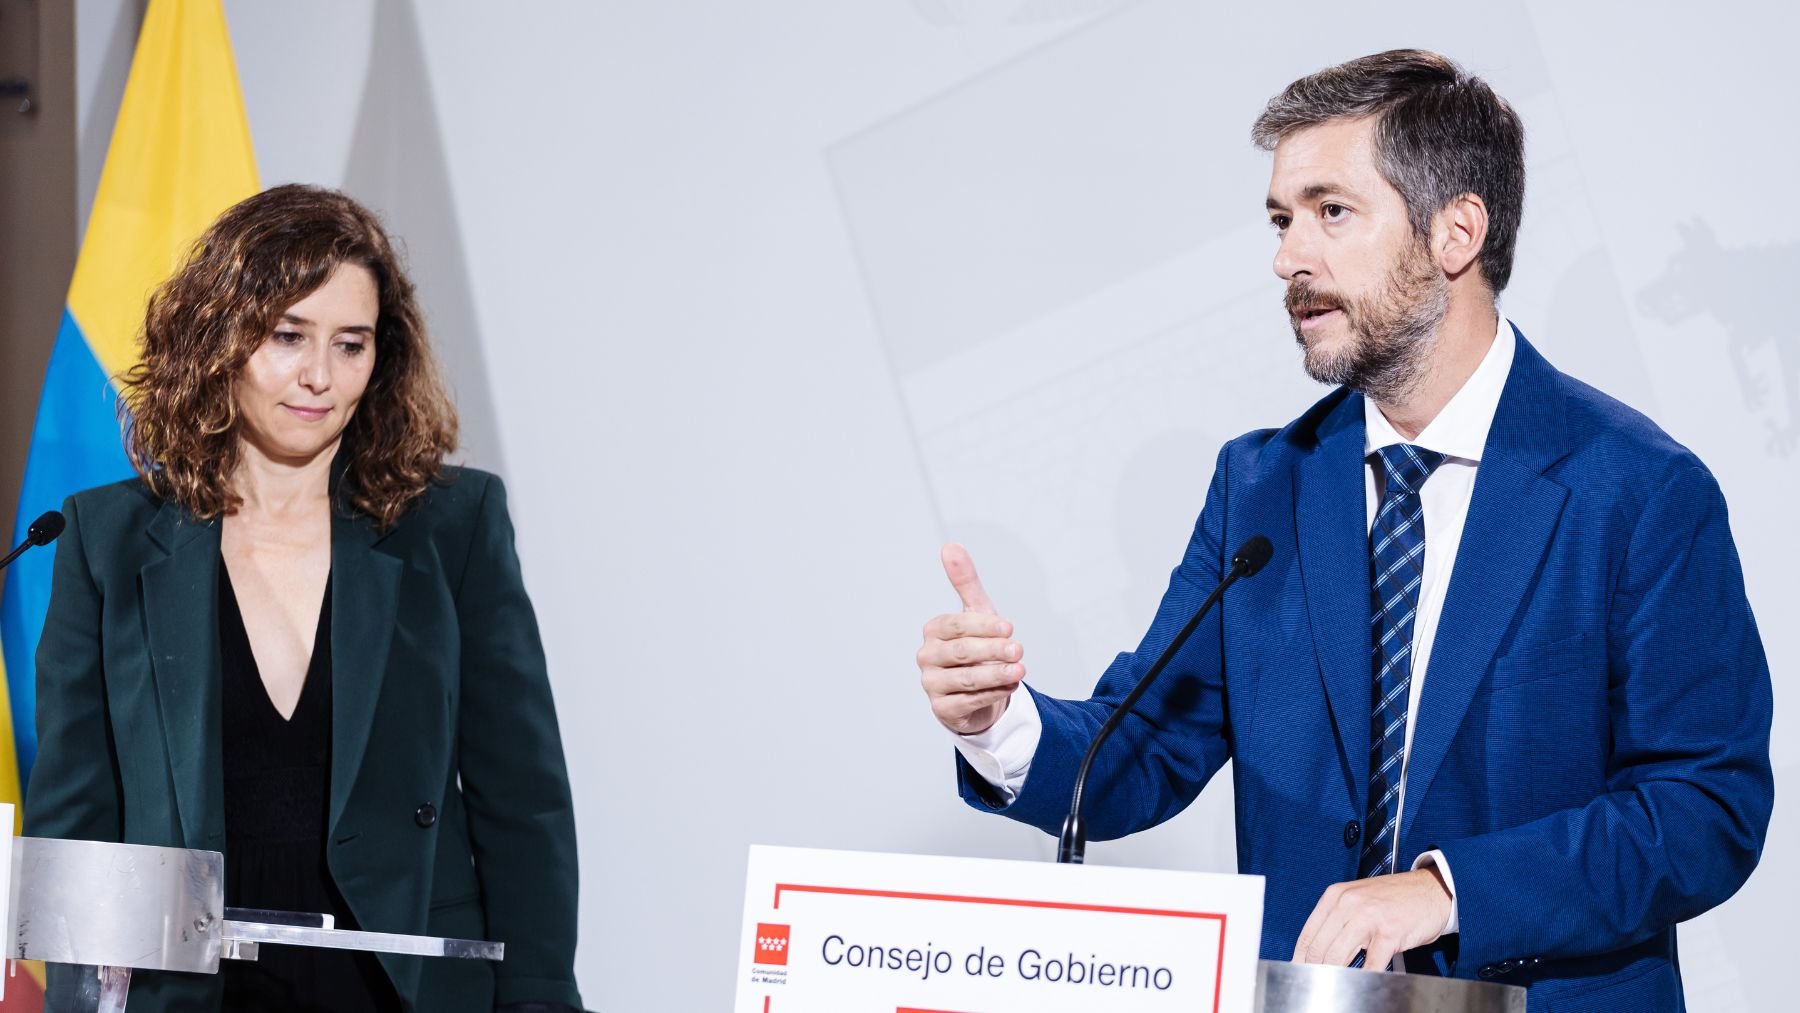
(120, 907)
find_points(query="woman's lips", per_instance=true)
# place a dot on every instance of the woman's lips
(308, 414)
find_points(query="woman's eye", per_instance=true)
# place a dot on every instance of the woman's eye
(286, 337)
(350, 347)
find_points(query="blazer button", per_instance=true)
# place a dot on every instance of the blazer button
(425, 816)
(1352, 833)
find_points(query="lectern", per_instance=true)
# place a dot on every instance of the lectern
(113, 908)
(1315, 988)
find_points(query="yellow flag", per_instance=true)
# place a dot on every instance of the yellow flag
(180, 155)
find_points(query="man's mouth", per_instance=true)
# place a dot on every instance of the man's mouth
(1312, 316)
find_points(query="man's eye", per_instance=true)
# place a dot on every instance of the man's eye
(1333, 212)
(1279, 222)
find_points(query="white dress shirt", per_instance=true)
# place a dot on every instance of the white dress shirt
(1002, 754)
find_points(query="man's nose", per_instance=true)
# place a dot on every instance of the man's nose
(1296, 256)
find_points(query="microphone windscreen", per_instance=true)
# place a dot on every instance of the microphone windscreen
(44, 530)
(1253, 555)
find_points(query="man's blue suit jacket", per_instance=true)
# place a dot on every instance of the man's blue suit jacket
(1591, 751)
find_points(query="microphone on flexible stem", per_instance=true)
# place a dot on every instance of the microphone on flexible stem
(1250, 557)
(43, 531)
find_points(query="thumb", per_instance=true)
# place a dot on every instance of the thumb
(961, 571)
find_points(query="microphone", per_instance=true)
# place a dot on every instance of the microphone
(42, 531)
(1250, 557)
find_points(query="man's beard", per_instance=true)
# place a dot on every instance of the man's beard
(1391, 332)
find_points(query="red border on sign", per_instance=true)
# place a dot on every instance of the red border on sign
(851, 891)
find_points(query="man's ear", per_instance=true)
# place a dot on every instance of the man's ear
(1458, 233)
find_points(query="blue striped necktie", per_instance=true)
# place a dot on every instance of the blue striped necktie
(1396, 564)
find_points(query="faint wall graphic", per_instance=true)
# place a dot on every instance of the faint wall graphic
(1014, 12)
(1733, 286)
(397, 166)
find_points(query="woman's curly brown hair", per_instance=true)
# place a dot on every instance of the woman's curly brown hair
(263, 255)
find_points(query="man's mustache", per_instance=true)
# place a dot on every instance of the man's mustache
(1303, 298)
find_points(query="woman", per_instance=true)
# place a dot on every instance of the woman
(299, 638)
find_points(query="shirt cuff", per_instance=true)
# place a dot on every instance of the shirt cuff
(1002, 754)
(1436, 859)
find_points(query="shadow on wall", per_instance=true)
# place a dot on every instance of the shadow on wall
(397, 166)
(1156, 505)
(1588, 331)
(1733, 287)
(102, 111)
(1015, 578)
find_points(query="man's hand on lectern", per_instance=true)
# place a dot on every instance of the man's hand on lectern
(1381, 915)
(968, 663)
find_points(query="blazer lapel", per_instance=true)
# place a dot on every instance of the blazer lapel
(181, 626)
(365, 595)
(1331, 521)
(1512, 516)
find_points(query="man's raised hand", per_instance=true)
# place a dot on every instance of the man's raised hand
(969, 665)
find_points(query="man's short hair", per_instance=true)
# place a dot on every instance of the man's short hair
(1439, 134)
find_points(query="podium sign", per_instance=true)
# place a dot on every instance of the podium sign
(837, 931)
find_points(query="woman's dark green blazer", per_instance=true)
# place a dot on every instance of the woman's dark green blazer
(449, 804)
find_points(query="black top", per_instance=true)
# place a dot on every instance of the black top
(277, 790)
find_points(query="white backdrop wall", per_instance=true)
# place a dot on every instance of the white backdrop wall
(755, 304)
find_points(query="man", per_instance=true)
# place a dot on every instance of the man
(1497, 703)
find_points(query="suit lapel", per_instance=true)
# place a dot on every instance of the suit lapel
(181, 624)
(1332, 527)
(365, 595)
(1512, 516)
